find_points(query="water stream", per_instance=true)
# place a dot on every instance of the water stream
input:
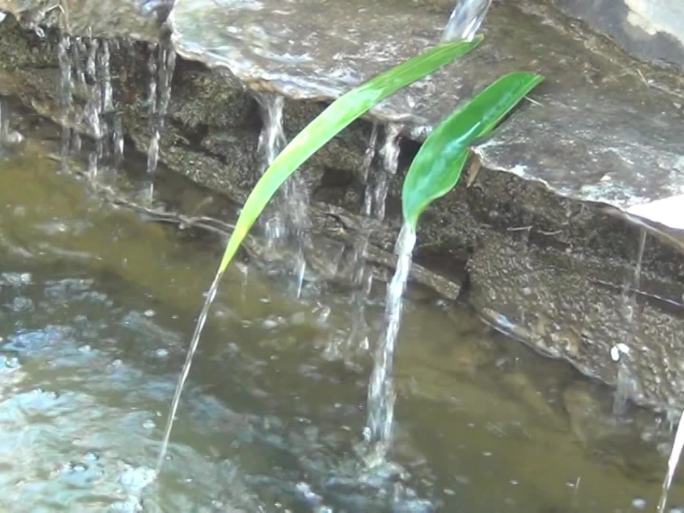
(86, 100)
(362, 279)
(381, 394)
(463, 24)
(620, 354)
(161, 65)
(373, 210)
(289, 224)
(465, 19)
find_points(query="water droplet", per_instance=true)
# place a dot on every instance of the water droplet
(161, 353)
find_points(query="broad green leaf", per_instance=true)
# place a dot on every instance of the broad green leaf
(329, 123)
(437, 167)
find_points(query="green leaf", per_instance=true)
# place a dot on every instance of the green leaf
(437, 167)
(329, 123)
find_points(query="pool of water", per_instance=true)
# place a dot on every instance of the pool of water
(97, 304)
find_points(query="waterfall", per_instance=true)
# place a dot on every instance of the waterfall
(381, 396)
(374, 201)
(161, 64)
(85, 78)
(362, 279)
(465, 19)
(625, 385)
(290, 223)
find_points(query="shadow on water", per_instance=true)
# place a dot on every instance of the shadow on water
(96, 303)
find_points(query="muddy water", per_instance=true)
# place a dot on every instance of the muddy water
(97, 306)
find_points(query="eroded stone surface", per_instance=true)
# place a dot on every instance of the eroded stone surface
(581, 312)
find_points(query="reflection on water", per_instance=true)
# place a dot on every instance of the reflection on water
(96, 306)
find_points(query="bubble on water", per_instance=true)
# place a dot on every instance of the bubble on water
(129, 505)
(269, 324)
(639, 503)
(21, 304)
(134, 479)
(149, 424)
(85, 349)
(308, 494)
(149, 313)
(161, 353)
(8, 364)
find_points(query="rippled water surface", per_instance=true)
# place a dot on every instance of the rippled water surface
(97, 305)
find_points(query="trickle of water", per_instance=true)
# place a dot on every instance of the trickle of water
(66, 94)
(161, 65)
(291, 220)
(84, 65)
(4, 123)
(271, 142)
(375, 199)
(672, 463)
(465, 19)
(625, 384)
(362, 280)
(185, 371)
(272, 137)
(381, 396)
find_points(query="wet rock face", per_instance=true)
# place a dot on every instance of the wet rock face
(584, 311)
(650, 29)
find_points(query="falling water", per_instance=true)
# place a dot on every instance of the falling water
(4, 123)
(290, 223)
(362, 279)
(375, 198)
(161, 65)
(672, 463)
(381, 396)
(85, 75)
(465, 19)
(620, 353)
(185, 371)
(66, 93)
(271, 142)
(272, 137)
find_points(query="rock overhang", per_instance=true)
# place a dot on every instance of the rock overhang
(603, 128)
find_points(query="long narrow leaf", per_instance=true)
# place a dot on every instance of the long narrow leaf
(330, 122)
(437, 167)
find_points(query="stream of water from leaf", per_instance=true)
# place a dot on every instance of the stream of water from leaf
(464, 23)
(465, 19)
